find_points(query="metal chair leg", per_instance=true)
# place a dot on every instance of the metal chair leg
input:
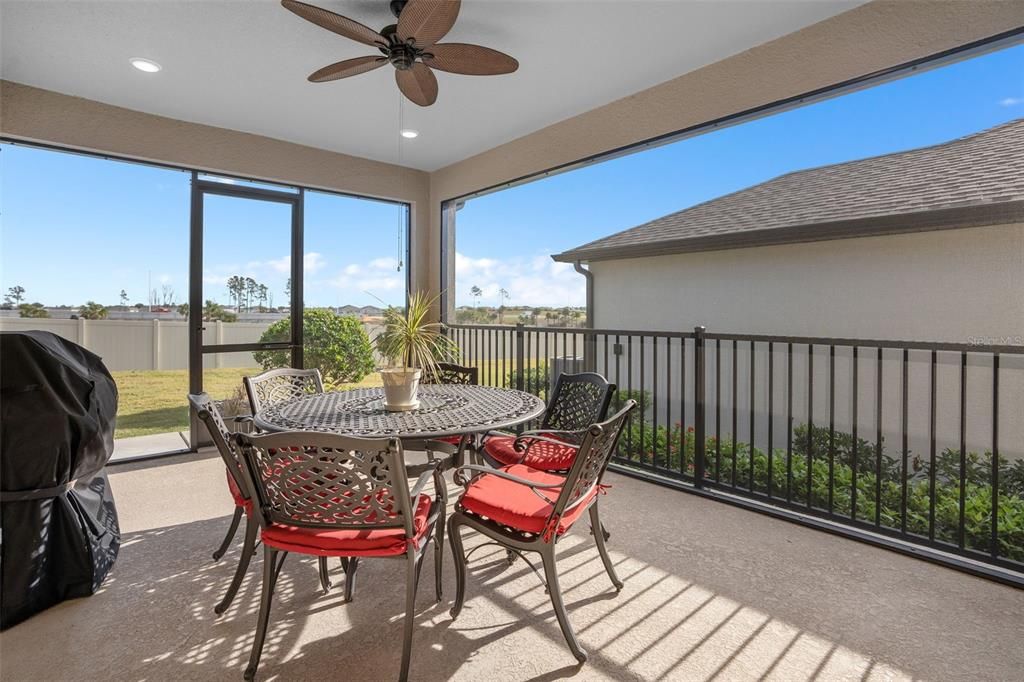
(412, 576)
(350, 577)
(439, 554)
(271, 569)
(551, 574)
(600, 535)
(460, 565)
(248, 549)
(226, 542)
(325, 578)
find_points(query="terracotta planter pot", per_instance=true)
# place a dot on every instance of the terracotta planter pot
(401, 386)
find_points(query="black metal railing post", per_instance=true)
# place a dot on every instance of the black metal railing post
(699, 439)
(520, 341)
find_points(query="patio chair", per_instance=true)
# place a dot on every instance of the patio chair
(329, 495)
(210, 415)
(452, 374)
(577, 401)
(523, 509)
(276, 386)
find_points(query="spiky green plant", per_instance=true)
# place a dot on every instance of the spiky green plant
(409, 339)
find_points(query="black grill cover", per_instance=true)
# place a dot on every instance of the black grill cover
(60, 533)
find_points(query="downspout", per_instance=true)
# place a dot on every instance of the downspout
(589, 340)
(589, 276)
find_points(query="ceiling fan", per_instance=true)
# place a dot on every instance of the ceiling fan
(410, 46)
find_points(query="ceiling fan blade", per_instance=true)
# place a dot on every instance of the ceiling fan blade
(471, 60)
(346, 68)
(418, 84)
(343, 26)
(427, 21)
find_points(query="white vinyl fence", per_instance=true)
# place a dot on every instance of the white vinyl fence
(149, 344)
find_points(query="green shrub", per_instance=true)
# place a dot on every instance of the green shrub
(673, 449)
(32, 310)
(335, 344)
(535, 380)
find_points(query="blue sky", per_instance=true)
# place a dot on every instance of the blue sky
(77, 228)
(563, 211)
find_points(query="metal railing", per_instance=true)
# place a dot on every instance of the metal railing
(916, 446)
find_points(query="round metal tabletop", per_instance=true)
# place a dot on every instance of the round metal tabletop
(445, 410)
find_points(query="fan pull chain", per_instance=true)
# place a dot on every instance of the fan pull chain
(401, 214)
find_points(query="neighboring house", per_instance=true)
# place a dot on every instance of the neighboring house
(926, 244)
(921, 245)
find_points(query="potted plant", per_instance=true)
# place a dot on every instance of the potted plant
(411, 345)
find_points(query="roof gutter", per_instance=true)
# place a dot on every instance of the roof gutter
(589, 276)
(975, 215)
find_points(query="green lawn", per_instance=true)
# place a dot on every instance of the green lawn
(154, 401)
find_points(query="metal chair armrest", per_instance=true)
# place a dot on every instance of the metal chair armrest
(528, 438)
(421, 482)
(507, 476)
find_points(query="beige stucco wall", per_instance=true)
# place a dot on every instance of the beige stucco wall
(864, 40)
(37, 115)
(959, 286)
(949, 286)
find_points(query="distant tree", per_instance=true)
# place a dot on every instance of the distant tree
(215, 312)
(183, 309)
(236, 289)
(32, 310)
(251, 292)
(167, 295)
(503, 296)
(476, 292)
(15, 295)
(139, 306)
(262, 294)
(288, 289)
(124, 298)
(93, 311)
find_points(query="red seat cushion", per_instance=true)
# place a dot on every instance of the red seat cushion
(454, 440)
(517, 506)
(348, 542)
(236, 493)
(543, 455)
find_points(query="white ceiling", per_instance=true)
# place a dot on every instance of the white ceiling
(243, 65)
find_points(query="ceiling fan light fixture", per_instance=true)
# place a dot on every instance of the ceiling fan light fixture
(145, 65)
(409, 133)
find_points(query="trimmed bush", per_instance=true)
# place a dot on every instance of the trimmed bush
(672, 448)
(335, 344)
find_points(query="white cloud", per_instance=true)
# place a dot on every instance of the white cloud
(532, 281)
(313, 262)
(378, 276)
(1011, 101)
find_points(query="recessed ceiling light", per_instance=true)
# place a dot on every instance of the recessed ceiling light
(147, 65)
(409, 134)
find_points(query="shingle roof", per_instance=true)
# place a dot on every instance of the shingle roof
(926, 188)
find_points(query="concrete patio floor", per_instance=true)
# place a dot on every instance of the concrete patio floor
(712, 592)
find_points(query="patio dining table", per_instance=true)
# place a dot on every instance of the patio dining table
(445, 410)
